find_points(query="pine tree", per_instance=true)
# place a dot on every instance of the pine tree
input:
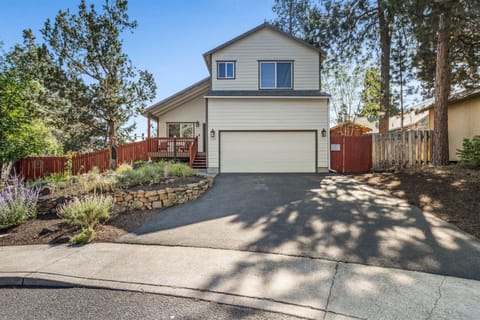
(363, 30)
(447, 55)
(88, 47)
(291, 16)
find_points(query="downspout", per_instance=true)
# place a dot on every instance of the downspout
(328, 137)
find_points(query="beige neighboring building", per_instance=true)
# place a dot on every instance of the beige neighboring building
(463, 118)
(260, 110)
(412, 120)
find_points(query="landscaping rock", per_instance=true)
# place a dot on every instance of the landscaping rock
(157, 205)
(138, 199)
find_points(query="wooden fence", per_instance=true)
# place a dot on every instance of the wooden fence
(175, 148)
(398, 150)
(37, 167)
(350, 154)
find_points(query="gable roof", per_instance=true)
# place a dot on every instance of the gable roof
(258, 28)
(455, 97)
(199, 88)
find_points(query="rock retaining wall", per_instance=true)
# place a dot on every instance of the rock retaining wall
(162, 198)
(139, 199)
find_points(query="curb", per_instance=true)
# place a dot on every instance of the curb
(46, 280)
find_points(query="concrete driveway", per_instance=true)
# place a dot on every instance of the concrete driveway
(318, 216)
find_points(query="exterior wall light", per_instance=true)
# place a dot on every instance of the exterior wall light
(324, 132)
(197, 124)
(212, 133)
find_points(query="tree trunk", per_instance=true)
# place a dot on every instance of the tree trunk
(440, 155)
(5, 171)
(112, 142)
(385, 45)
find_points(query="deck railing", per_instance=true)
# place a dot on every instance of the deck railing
(193, 151)
(176, 148)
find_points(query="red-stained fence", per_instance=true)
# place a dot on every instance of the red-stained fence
(36, 167)
(351, 154)
(83, 163)
(176, 148)
(128, 153)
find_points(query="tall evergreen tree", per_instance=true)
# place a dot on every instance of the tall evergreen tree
(291, 15)
(370, 95)
(88, 47)
(447, 55)
(361, 29)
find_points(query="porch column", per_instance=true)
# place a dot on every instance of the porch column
(148, 126)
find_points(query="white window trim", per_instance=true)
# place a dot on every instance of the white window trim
(226, 76)
(275, 74)
(180, 124)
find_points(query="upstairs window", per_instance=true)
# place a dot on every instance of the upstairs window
(226, 70)
(275, 75)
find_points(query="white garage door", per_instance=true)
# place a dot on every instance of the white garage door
(262, 151)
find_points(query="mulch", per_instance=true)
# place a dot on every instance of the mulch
(50, 229)
(451, 193)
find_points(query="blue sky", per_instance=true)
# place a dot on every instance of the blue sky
(171, 37)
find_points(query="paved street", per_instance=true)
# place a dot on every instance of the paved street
(81, 304)
(313, 215)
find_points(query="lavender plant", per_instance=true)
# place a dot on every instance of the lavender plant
(17, 202)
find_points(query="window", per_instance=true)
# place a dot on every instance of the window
(180, 130)
(226, 70)
(275, 75)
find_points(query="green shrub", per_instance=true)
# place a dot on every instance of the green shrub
(54, 181)
(84, 237)
(152, 173)
(69, 162)
(178, 170)
(470, 153)
(17, 203)
(124, 167)
(56, 177)
(95, 181)
(139, 163)
(87, 212)
(147, 174)
(129, 178)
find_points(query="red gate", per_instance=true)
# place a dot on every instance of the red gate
(351, 154)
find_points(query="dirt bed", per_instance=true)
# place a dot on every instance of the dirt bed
(49, 229)
(451, 193)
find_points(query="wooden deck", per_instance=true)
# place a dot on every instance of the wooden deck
(176, 148)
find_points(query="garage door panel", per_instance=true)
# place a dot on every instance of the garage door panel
(267, 151)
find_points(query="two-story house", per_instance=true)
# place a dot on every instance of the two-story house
(261, 109)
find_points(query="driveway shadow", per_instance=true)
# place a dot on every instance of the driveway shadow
(318, 216)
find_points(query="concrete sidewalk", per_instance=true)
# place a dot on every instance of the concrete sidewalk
(310, 288)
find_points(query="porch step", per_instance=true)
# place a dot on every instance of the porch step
(200, 161)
